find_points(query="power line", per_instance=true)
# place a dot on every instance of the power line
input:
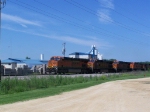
(64, 20)
(48, 14)
(53, 16)
(76, 4)
(72, 16)
(126, 16)
(41, 3)
(77, 18)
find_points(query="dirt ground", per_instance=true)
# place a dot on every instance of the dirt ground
(117, 96)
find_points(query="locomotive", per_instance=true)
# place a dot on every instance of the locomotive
(58, 65)
(100, 66)
(63, 65)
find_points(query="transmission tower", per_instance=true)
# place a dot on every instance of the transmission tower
(64, 49)
(2, 5)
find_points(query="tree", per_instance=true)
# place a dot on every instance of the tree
(28, 57)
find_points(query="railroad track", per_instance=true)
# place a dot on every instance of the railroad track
(74, 75)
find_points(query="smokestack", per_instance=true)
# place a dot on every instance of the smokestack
(42, 56)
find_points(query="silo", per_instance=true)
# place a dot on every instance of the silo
(42, 56)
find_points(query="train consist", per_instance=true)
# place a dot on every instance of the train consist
(62, 65)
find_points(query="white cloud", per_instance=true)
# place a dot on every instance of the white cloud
(104, 11)
(104, 16)
(85, 42)
(107, 3)
(19, 20)
(23, 25)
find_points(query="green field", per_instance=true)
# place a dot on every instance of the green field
(14, 90)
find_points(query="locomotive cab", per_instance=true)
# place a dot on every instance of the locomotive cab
(53, 64)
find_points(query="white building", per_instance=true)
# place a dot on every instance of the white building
(80, 55)
(93, 54)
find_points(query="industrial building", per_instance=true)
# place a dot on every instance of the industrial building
(92, 54)
(13, 66)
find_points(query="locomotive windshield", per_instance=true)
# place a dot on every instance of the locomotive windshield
(52, 58)
(91, 60)
(56, 58)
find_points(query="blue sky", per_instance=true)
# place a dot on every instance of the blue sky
(120, 29)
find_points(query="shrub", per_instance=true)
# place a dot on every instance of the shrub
(103, 77)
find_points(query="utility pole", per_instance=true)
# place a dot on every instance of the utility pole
(64, 49)
(2, 5)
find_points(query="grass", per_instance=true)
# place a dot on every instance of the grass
(13, 90)
(39, 93)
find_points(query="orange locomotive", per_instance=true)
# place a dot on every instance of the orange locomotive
(139, 66)
(60, 65)
(135, 66)
(100, 66)
(120, 66)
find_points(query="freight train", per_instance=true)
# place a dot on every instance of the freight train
(62, 65)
